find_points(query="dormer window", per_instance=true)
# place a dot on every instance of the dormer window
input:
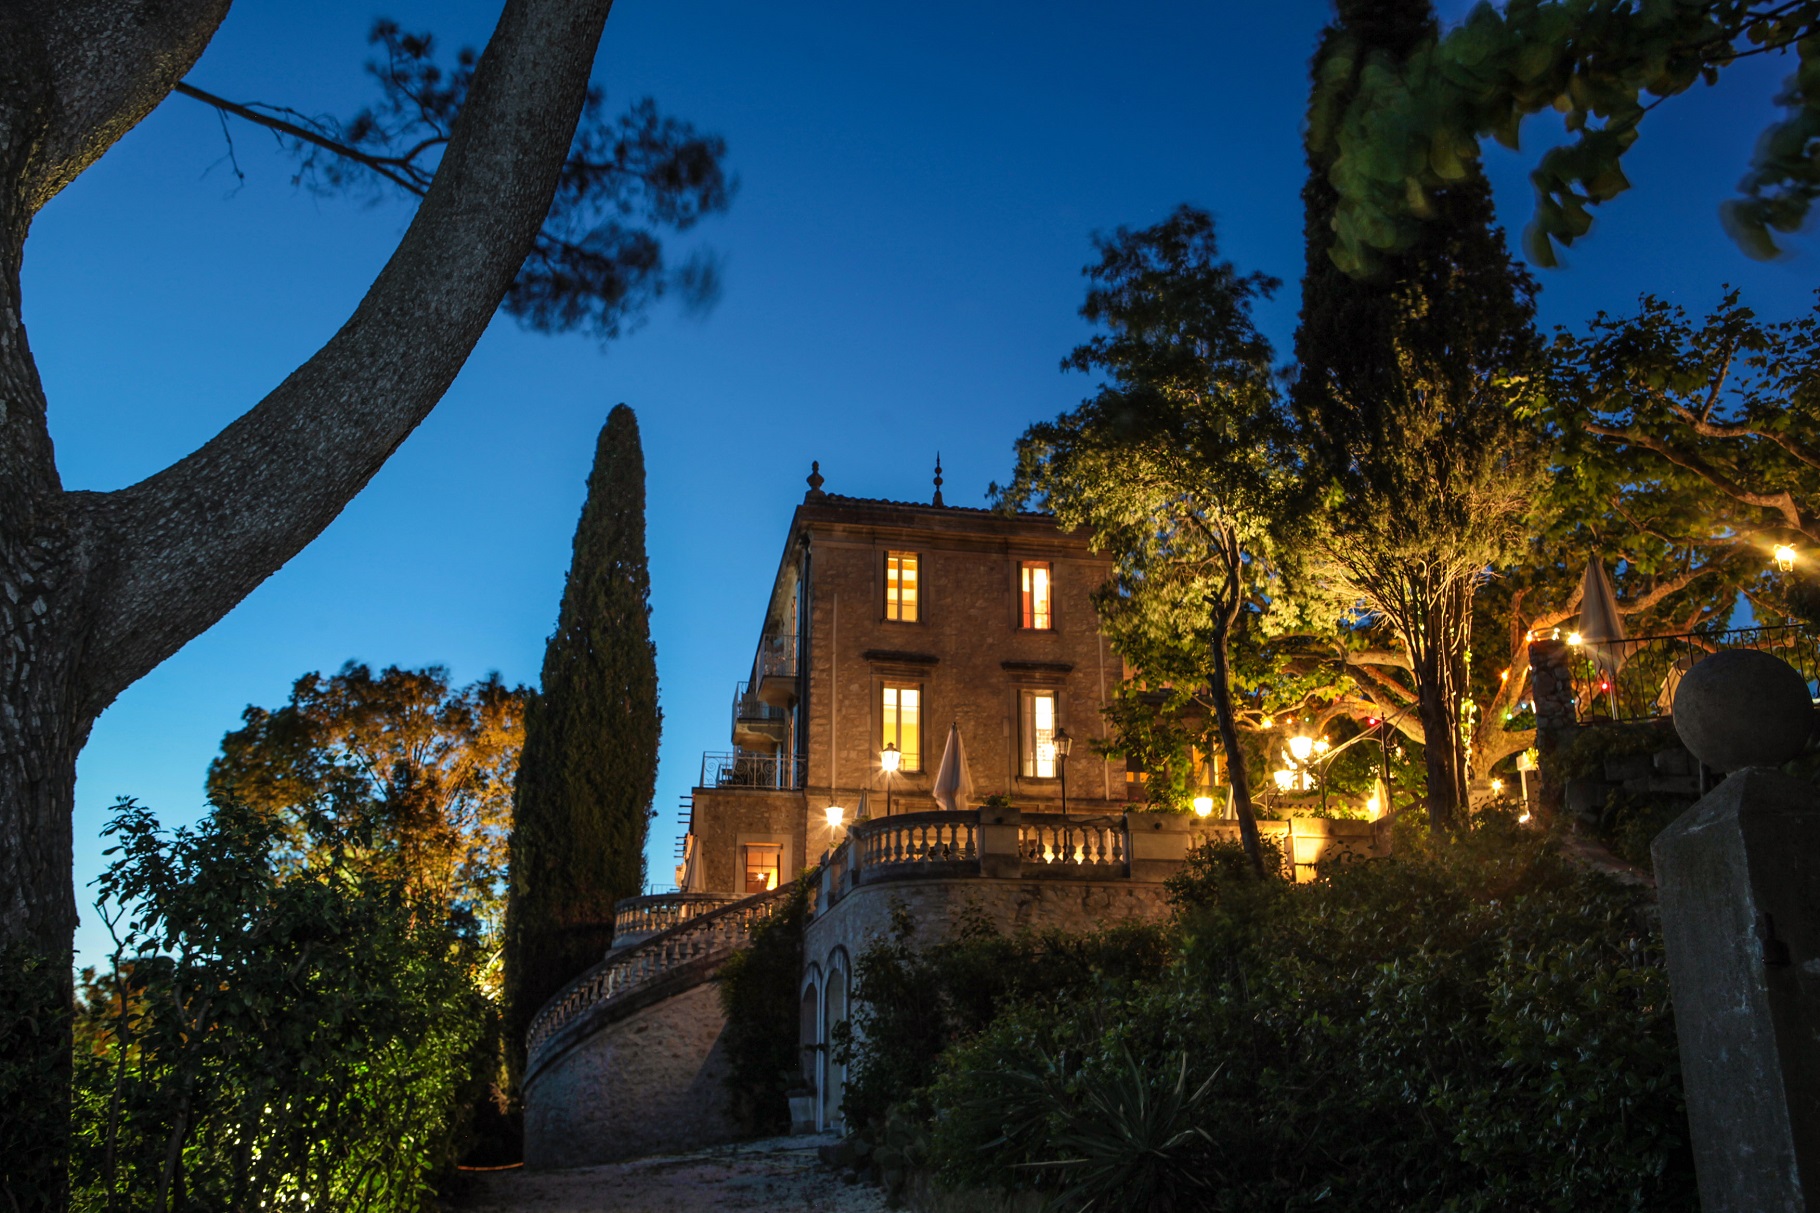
(902, 587)
(1034, 578)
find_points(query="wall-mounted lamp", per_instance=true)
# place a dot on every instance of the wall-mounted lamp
(835, 814)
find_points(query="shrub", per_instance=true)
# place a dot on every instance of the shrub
(1469, 1026)
(759, 993)
(267, 1037)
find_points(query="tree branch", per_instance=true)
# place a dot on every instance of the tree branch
(189, 543)
(111, 62)
(396, 169)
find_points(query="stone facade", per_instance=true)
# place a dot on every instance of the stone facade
(828, 651)
(651, 1081)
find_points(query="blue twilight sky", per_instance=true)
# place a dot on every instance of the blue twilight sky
(919, 184)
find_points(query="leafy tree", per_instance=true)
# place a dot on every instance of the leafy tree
(398, 775)
(597, 263)
(589, 767)
(1177, 464)
(1412, 403)
(1406, 127)
(268, 1035)
(97, 589)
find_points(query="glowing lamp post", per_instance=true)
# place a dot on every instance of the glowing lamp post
(1785, 557)
(888, 758)
(1203, 804)
(1063, 743)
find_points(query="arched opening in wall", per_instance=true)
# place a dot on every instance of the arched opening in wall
(834, 1013)
(809, 1035)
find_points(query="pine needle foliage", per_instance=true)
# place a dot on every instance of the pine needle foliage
(589, 767)
(1415, 401)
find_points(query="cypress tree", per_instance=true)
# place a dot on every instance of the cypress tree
(589, 766)
(1409, 398)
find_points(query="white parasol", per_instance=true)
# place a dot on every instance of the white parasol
(1601, 627)
(953, 784)
(689, 876)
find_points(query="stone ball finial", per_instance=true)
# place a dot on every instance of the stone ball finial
(1742, 708)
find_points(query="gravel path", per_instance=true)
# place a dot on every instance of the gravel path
(778, 1174)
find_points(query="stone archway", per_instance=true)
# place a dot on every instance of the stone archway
(833, 1086)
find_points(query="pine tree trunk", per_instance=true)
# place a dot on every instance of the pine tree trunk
(1220, 689)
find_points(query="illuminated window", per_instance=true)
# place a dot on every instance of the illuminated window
(1038, 734)
(900, 586)
(1035, 577)
(764, 865)
(903, 724)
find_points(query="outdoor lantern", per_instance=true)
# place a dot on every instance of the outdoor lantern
(889, 757)
(1301, 746)
(1497, 787)
(1063, 742)
(1785, 557)
(835, 813)
(1573, 638)
(1203, 804)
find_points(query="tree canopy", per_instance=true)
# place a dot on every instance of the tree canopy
(598, 262)
(1409, 125)
(400, 774)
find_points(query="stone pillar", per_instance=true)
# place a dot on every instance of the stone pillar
(998, 842)
(1740, 896)
(1552, 691)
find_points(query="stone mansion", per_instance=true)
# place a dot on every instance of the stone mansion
(893, 633)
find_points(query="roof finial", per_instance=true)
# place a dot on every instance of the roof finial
(815, 481)
(938, 479)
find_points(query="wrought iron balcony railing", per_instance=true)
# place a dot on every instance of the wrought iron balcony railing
(1636, 679)
(784, 771)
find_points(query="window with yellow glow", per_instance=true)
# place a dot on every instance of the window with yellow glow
(1035, 577)
(764, 864)
(1038, 734)
(901, 586)
(902, 715)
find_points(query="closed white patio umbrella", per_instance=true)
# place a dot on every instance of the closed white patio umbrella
(953, 782)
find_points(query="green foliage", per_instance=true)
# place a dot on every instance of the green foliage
(268, 1035)
(34, 1075)
(1474, 1026)
(910, 1004)
(398, 775)
(1415, 401)
(1412, 123)
(589, 767)
(1177, 465)
(598, 261)
(759, 991)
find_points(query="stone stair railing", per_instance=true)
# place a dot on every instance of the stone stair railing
(624, 971)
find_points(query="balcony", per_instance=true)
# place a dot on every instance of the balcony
(758, 725)
(775, 669)
(778, 772)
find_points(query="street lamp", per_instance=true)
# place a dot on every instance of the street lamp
(1785, 557)
(1063, 743)
(835, 813)
(888, 758)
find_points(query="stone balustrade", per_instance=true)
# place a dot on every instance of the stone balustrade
(718, 932)
(636, 919)
(1007, 843)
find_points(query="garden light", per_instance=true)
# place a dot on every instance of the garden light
(1301, 746)
(1203, 805)
(1785, 557)
(835, 813)
(1497, 787)
(1573, 638)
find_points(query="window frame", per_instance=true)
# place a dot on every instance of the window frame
(1029, 758)
(886, 685)
(917, 595)
(746, 869)
(1026, 609)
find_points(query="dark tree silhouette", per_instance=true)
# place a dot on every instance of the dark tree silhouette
(589, 765)
(96, 589)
